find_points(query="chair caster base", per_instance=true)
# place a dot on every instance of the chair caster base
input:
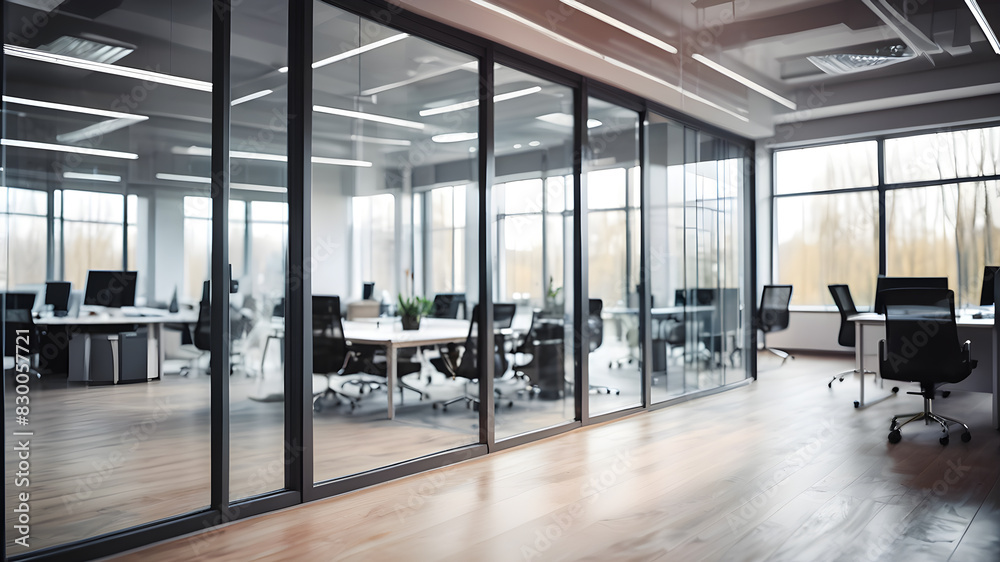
(895, 436)
(857, 404)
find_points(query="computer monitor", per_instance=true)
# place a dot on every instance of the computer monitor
(989, 272)
(886, 283)
(57, 294)
(19, 301)
(112, 289)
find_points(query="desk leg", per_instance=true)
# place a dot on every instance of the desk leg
(157, 329)
(390, 375)
(859, 361)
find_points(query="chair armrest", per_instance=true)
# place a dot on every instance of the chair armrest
(881, 351)
(967, 353)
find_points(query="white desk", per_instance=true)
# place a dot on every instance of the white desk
(388, 332)
(979, 330)
(154, 319)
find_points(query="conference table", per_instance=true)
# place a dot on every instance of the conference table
(154, 319)
(977, 330)
(389, 333)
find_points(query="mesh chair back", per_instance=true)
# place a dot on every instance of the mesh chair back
(203, 327)
(845, 305)
(329, 344)
(447, 305)
(921, 337)
(503, 315)
(773, 314)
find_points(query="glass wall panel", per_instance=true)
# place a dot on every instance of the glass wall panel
(394, 121)
(615, 362)
(948, 230)
(696, 260)
(534, 157)
(258, 248)
(103, 107)
(827, 239)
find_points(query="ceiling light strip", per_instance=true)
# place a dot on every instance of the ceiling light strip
(977, 12)
(252, 96)
(147, 75)
(353, 52)
(584, 49)
(92, 177)
(369, 117)
(621, 25)
(475, 103)
(743, 80)
(74, 108)
(70, 149)
(206, 151)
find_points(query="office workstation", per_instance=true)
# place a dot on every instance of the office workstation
(445, 230)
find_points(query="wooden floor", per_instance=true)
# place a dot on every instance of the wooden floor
(784, 469)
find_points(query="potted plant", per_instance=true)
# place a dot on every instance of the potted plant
(412, 309)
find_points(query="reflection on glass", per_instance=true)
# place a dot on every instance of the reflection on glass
(109, 455)
(394, 151)
(925, 225)
(695, 260)
(534, 178)
(941, 156)
(258, 253)
(613, 322)
(828, 239)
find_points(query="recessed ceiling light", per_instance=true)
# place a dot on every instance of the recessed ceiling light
(92, 177)
(353, 52)
(252, 96)
(369, 117)
(206, 151)
(743, 80)
(621, 25)
(147, 75)
(74, 108)
(518, 145)
(615, 62)
(88, 49)
(566, 120)
(70, 149)
(454, 137)
(475, 103)
(472, 149)
(534, 143)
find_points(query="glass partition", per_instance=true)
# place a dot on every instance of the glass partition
(696, 262)
(394, 217)
(533, 248)
(613, 176)
(101, 108)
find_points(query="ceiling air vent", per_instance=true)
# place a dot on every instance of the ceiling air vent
(89, 47)
(848, 63)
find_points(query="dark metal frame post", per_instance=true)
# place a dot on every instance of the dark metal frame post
(298, 288)
(487, 433)
(750, 267)
(645, 304)
(221, 31)
(581, 339)
(883, 264)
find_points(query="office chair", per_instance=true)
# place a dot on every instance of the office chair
(595, 329)
(463, 361)
(202, 334)
(845, 306)
(331, 354)
(17, 319)
(447, 305)
(921, 345)
(773, 315)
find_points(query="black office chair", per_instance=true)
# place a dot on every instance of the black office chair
(448, 305)
(921, 345)
(19, 329)
(773, 315)
(202, 334)
(463, 361)
(595, 329)
(331, 354)
(845, 305)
